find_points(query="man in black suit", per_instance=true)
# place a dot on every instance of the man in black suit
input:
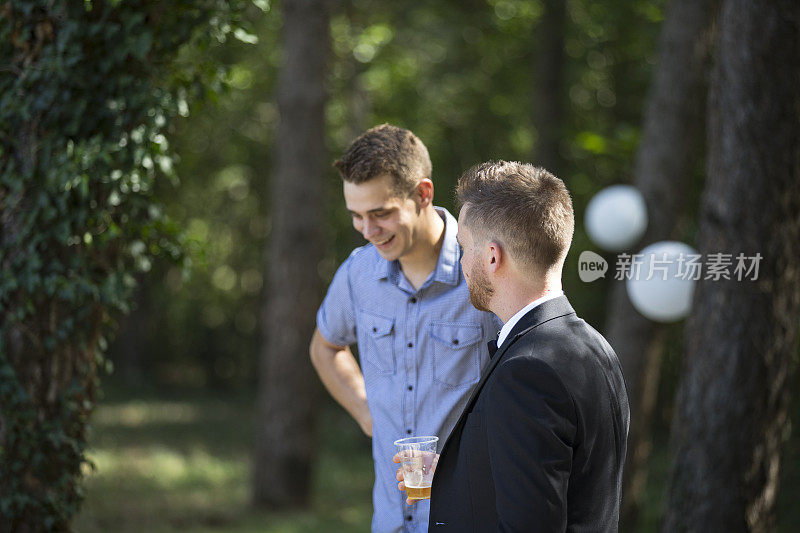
(541, 442)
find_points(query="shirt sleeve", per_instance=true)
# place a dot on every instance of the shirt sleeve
(336, 316)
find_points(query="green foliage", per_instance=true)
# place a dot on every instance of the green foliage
(459, 74)
(200, 323)
(462, 75)
(87, 90)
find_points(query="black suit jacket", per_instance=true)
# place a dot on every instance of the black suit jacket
(541, 442)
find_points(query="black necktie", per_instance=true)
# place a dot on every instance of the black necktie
(492, 347)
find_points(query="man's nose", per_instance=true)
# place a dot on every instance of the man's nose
(370, 229)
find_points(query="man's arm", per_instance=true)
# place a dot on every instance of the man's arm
(531, 429)
(341, 375)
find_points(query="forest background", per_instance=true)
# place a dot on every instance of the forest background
(177, 433)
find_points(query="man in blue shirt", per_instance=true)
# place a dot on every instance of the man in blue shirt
(403, 299)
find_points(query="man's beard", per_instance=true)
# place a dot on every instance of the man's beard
(480, 290)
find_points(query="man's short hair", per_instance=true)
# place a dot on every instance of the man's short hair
(526, 209)
(386, 149)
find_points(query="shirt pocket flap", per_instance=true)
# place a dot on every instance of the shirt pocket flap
(376, 325)
(376, 342)
(456, 335)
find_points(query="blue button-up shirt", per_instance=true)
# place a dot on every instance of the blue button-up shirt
(421, 352)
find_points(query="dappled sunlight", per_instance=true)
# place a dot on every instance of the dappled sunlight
(196, 430)
(137, 413)
(137, 488)
(164, 468)
(185, 465)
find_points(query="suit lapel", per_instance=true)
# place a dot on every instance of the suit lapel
(548, 310)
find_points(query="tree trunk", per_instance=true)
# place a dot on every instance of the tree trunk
(667, 157)
(288, 388)
(741, 335)
(47, 392)
(129, 348)
(548, 105)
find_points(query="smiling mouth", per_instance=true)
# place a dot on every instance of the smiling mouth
(383, 243)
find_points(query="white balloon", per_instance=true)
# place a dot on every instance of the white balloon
(667, 295)
(616, 217)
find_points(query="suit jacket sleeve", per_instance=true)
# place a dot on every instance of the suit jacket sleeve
(530, 420)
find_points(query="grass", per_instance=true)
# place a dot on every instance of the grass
(182, 463)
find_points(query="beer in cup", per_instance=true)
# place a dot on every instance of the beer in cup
(418, 457)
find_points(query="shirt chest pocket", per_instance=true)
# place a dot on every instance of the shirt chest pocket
(456, 353)
(378, 342)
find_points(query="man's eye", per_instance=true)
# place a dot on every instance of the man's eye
(381, 215)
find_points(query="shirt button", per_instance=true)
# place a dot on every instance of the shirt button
(409, 518)
(410, 387)
(413, 300)
(455, 341)
(410, 344)
(408, 431)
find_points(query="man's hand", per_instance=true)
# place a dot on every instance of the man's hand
(401, 486)
(399, 475)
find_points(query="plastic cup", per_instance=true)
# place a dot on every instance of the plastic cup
(418, 455)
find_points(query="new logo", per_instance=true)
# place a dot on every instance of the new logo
(591, 266)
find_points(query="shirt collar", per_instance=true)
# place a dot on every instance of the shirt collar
(508, 326)
(385, 269)
(446, 270)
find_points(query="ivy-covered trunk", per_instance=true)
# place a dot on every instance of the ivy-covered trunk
(47, 369)
(47, 392)
(86, 89)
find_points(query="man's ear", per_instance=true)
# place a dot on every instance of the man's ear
(423, 193)
(494, 256)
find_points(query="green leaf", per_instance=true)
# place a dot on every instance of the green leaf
(243, 36)
(142, 44)
(592, 142)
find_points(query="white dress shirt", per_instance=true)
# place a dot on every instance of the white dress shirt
(508, 326)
